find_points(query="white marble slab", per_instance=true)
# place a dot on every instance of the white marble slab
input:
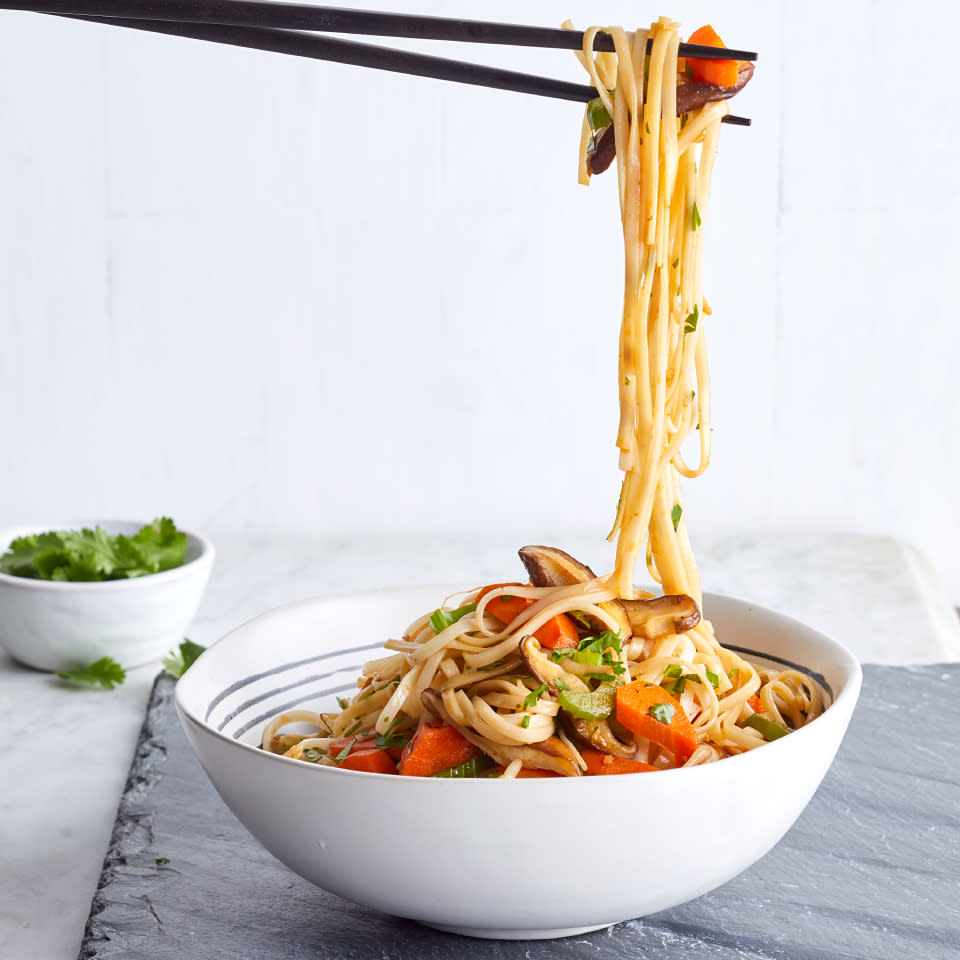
(67, 752)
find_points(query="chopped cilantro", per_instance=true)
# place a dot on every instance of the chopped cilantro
(561, 684)
(312, 754)
(160, 861)
(692, 320)
(696, 216)
(578, 615)
(105, 672)
(713, 678)
(675, 514)
(557, 655)
(386, 741)
(354, 727)
(534, 696)
(525, 722)
(646, 128)
(663, 712)
(344, 753)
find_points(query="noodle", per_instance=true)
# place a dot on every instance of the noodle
(494, 668)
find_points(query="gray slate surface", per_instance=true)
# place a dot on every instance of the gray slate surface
(870, 870)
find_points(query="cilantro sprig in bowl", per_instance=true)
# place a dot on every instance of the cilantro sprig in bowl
(73, 593)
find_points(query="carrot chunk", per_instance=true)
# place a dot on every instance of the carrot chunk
(557, 633)
(434, 747)
(721, 73)
(369, 761)
(754, 704)
(648, 711)
(601, 764)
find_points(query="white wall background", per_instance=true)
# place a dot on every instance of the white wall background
(274, 296)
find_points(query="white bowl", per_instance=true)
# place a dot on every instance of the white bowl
(62, 625)
(530, 858)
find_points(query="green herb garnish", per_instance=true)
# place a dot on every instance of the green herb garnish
(469, 768)
(561, 684)
(766, 728)
(713, 678)
(692, 319)
(531, 699)
(673, 670)
(90, 555)
(696, 217)
(557, 655)
(675, 514)
(105, 672)
(663, 712)
(312, 754)
(441, 619)
(525, 722)
(344, 753)
(177, 664)
(161, 860)
(354, 727)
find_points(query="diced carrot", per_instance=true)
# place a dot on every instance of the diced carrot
(636, 700)
(754, 704)
(600, 764)
(370, 761)
(721, 73)
(557, 633)
(435, 746)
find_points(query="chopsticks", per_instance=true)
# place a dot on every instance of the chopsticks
(274, 27)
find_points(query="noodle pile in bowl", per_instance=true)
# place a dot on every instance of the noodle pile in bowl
(571, 673)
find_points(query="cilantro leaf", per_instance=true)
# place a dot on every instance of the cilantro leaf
(386, 741)
(105, 672)
(90, 555)
(663, 712)
(675, 514)
(178, 664)
(696, 216)
(692, 320)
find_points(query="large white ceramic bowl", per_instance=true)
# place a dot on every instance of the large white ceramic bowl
(528, 858)
(61, 626)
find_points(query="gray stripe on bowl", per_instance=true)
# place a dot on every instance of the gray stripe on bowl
(263, 717)
(240, 684)
(819, 678)
(290, 686)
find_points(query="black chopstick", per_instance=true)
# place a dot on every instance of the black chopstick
(297, 44)
(299, 16)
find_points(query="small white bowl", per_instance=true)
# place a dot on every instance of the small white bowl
(56, 625)
(518, 859)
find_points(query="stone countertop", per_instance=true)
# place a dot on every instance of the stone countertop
(68, 751)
